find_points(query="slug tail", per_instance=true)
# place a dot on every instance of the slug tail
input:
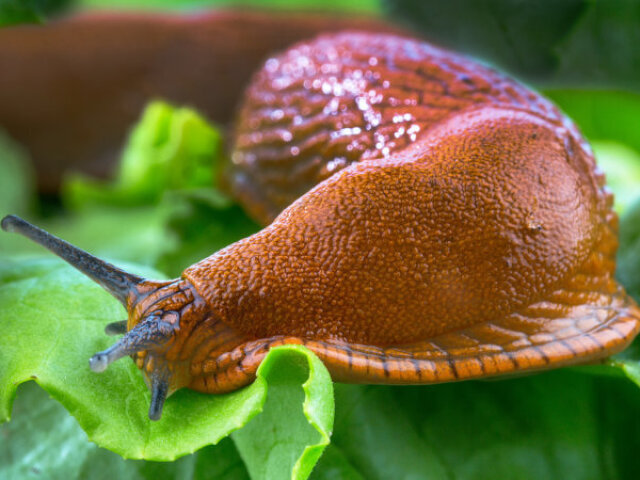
(114, 280)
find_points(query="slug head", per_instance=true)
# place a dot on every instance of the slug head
(152, 335)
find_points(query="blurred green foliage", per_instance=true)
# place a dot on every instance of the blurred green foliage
(353, 5)
(170, 149)
(36, 11)
(13, 12)
(548, 42)
(15, 194)
(164, 189)
(520, 36)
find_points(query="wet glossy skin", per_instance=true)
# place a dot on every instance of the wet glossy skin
(325, 104)
(485, 247)
(459, 229)
(462, 229)
(440, 222)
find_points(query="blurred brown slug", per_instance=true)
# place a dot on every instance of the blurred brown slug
(428, 220)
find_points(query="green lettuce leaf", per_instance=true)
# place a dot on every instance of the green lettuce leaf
(44, 441)
(283, 442)
(162, 209)
(137, 234)
(170, 148)
(54, 319)
(518, 36)
(554, 425)
(17, 179)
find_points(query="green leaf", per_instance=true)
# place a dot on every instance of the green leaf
(283, 442)
(182, 229)
(519, 36)
(169, 149)
(136, 234)
(162, 210)
(44, 441)
(622, 167)
(13, 12)
(572, 42)
(53, 319)
(602, 48)
(628, 362)
(602, 114)
(555, 425)
(373, 432)
(335, 465)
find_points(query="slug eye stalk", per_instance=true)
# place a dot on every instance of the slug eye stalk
(159, 392)
(116, 328)
(145, 336)
(150, 333)
(114, 280)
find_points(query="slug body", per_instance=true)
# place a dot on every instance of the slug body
(431, 220)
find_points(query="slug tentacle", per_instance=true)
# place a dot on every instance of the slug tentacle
(100, 361)
(116, 328)
(159, 391)
(152, 332)
(155, 311)
(117, 282)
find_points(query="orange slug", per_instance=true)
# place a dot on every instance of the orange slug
(429, 220)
